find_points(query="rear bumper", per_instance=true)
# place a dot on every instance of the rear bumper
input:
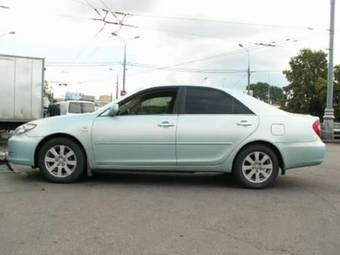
(302, 154)
(21, 149)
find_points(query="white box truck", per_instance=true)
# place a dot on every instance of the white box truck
(21, 90)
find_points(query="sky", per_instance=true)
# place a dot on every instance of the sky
(181, 41)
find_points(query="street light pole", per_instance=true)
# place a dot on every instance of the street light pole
(125, 41)
(328, 118)
(124, 65)
(116, 85)
(248, 70)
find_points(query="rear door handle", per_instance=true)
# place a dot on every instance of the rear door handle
(166, 124)
(244, 123)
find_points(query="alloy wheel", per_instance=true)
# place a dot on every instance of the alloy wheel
(257, 167)
(60, 161)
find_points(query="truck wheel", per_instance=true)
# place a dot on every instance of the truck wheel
(61, 160)
(256, 167)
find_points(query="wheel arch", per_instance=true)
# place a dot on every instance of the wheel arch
(56, 135)
(265, 143)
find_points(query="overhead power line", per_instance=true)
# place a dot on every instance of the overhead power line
(199, 19)
(148, 66)
(221, 21)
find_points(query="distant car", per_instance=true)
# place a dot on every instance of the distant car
(173, 128)
(71, 107)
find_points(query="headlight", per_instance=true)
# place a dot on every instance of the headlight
(24, 128)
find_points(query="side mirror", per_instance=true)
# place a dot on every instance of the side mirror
(114, 109)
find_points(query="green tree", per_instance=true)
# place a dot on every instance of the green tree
(307, 78)
(267, 93)
(307, 89)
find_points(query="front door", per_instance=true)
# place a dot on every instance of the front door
(142, 133)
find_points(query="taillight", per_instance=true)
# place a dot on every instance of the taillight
(317, 127)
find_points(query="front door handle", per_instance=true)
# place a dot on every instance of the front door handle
(244, 123)
(166, 124)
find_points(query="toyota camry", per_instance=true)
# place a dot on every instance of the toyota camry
(173, 128)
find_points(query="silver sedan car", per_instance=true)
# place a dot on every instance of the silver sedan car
(173, 128)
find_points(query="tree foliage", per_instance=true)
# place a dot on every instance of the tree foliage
(267, 93)
(307, 89)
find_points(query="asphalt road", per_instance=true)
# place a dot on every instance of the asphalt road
(124, 213)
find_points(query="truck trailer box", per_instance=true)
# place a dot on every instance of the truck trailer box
(21, 90)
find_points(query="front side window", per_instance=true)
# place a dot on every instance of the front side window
(212, 101)
(158, 102)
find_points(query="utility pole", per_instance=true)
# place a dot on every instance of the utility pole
(269, 89)
(117, 86)
(328, 118)
(125, 41)
(248, 70)
(124, 67)
(273, 44)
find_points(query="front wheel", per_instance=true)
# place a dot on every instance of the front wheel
(256, 167)
(61, 160)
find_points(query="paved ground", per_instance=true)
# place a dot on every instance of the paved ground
(172, 214)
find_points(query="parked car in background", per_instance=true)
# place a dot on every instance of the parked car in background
(173, 128)
(71, 107)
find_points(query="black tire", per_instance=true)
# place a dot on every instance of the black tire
(241, 176)
(79, 158)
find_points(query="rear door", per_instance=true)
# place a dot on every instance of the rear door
(211, 123)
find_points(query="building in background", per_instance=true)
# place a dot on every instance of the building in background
(103, 100)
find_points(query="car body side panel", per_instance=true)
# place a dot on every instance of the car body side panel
(134, 140)
(298, 145)
(78, 126)
(208, 139)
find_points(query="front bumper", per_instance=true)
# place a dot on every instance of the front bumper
(21, 149)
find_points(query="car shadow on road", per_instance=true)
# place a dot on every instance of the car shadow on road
(155, 179)
(213, 180)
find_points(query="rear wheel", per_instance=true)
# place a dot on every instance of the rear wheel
(256, 167)
(61, 160)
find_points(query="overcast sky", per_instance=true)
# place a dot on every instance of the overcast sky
(172, 34)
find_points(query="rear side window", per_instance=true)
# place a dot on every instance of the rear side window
(212, 101)
(74, 108)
